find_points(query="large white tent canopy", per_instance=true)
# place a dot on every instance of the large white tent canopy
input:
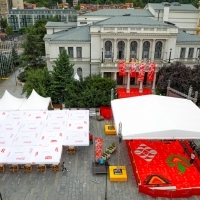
(9, 102)
(36, 102)
(156, 117)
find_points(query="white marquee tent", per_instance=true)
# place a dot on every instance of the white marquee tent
(36, 102)
(9, 102)
(156, 117)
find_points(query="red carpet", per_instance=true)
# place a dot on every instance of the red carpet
(157, 164)
(133, 92)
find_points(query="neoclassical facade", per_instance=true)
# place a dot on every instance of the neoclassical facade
(98, 47)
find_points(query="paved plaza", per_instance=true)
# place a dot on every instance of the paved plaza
(78, 183)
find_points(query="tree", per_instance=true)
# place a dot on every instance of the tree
(39, 80)
(14, 57)
(9, 30)
(3, 23)
(22, 31)
(62, 75)
(32, 54)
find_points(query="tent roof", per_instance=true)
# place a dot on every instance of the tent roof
(36, 102)
(156, 117)
(9, 102)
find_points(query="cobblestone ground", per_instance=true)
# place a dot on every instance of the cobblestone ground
(78, 182)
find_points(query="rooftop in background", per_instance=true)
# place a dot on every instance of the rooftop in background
(60, 24)
(132, 21)
(186, 37)
(173, 6)
(120, 12)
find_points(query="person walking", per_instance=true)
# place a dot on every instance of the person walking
(64, 167)
(192, 156)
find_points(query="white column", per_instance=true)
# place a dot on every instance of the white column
(153, 49)
(141, 87)
(154, 83)
(128, 49)
(102, 74)
(195, 54)
(115, 49)
(115, 76)
(128, 83)
(165, 51)
(186, 53)
(140, 50)
(74, 49)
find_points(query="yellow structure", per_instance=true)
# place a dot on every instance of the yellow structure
(4, 78)
(117, 177)
(109, 131)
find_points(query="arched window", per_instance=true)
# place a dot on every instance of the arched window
(121, 46)
(158, 50)
(133, 49)
(79, 72)
(146, 47)
(108, 49)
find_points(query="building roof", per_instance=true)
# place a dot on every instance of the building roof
(186, 37)
(174, 7)
(80, 34)
(120, 12)
(60, 24)
(132, 21)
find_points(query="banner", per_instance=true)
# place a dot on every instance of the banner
(132, 70)
(151, 72)
(98, 142)
(122, 68)
(142, 68)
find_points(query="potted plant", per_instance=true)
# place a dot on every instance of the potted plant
(104, 156)
(108, 154)
(114, 147)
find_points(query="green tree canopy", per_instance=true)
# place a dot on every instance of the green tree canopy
(3, 23)
(39, 80)
(62, 75)
(9, 30)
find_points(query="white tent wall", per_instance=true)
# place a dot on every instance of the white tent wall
(156, 117)
(9, 102)
(36, 102)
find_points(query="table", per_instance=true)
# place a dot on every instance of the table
(14, 168)
(55, 168)
(71, 150)
(27, 168)
(41, 168)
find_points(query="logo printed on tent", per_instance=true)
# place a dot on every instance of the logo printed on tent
(56, 149)
(78, 141)
(22, 158)
(2, 150)
(48, 157)
(79, 127)
(36, 153)
(60, 134)
(27, 142)
(37, 117)
(145, 152)
(52, 141)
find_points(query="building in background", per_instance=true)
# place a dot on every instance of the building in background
(17, 4)
(18, 18)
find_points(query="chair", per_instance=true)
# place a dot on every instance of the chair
(2, 168)
(41, 168)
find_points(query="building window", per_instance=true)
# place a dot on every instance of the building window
(83, 22)
(146, 47)
(182, 54)
(121, 47)
(79, 72)
(61, 49)
(108, 49)
(79, 52)
(190, 52)
(70, 52)
(133, 49)
(158, 50)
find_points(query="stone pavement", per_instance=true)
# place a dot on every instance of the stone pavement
(78, 182)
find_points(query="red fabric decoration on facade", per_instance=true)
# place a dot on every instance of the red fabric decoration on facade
(122, 68)
(151, 72)
(141, 74)
(132, 70)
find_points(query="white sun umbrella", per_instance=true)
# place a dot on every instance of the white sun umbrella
(76, 77)
(19, 155)
(6, 139)
(57, 115)
(3, 152)
(57, 125)
(47, 154)
(79, 115)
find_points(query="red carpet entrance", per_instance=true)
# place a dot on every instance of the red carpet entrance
(133, 92)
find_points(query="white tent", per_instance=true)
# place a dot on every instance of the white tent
(156, 117)
(36, 102)
(9, 102)
(3, 152)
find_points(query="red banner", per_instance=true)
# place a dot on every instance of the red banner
(151, 72)
(141, 72)
(98, 142)
(132, 70)
(122, 68)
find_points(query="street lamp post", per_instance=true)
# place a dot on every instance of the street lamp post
(170, 53)
(107, 165)
(102, 55)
